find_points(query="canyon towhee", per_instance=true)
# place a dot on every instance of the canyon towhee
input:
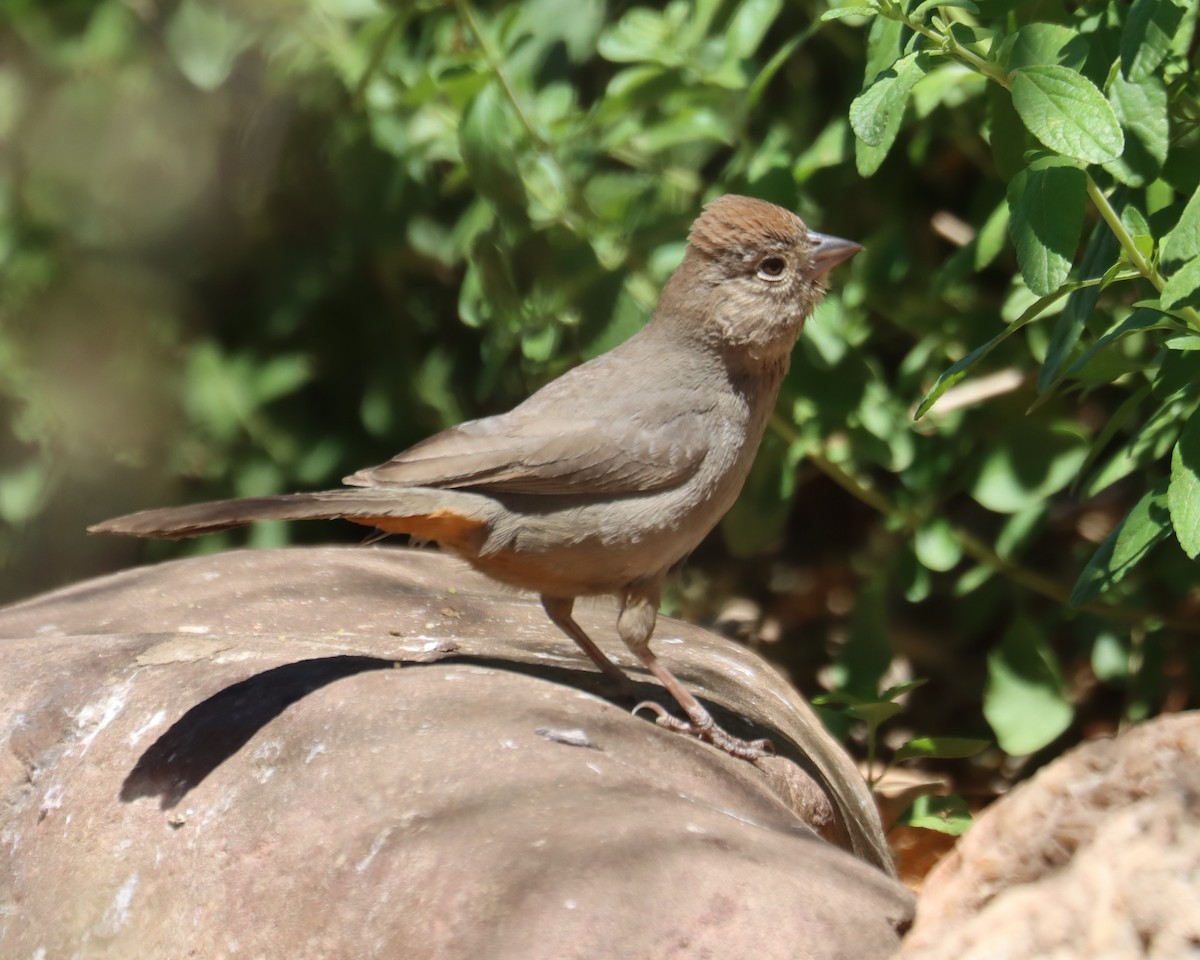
(608, 477)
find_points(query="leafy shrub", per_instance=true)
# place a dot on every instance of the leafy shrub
(253, 247)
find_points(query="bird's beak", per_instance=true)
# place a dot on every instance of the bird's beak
(829, 251)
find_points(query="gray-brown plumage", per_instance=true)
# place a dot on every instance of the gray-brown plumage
(607, 477)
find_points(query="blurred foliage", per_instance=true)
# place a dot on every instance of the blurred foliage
(252, 247)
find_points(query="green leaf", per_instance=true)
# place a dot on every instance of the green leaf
(640, 35)
(1176, 379)
(1020, 529)
(836, 698)
(1183, 493)
(23, 492)
(491, 138)
(936, 546)
(926, 6)
(350, 9)
(205, 43)
(1134, 221)
(941, 748)
(1181, 42)
(1025, 466)
(875, 113)
(1183, 240)
(868, 159)
(1041, 44)
(1066, 112)
(1136, 322)
(216, 393)
(874, 712)
(1118, 273)
(1138, 228)
(948, 815)
(851, 10)
(545, 186)
(1141, 109)
(1024, 703)
(1155, 434)
(883, 47)
(1144, 527)
(973, 579)
(550, 29)
(957, 371)
(687, 126)
(779, 59)
(989, 241)
(1006, 132)
(1121, 463)
(978, 39)
(946, 86)
(960, 368)
(1111, 655)
(1182, 286)
(1150, 27)
(540, 343)
(880, 418)
(828, 149)
(435, 387)
(625, 83)
(281, 375)
(1101, 249)
(749, 24)
(375, 410)
(899, 689)
(912, 579)
(1046, 202)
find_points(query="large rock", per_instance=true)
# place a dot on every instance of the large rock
(377, 753)
(1097, 856)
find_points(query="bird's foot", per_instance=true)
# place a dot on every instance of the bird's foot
(706, 729)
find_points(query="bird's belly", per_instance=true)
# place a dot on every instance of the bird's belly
(575, 571)
(585, 548)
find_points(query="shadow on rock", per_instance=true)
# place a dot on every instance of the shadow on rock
(215, 729)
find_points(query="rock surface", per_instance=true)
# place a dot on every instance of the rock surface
(320, 753)
(1097, 856)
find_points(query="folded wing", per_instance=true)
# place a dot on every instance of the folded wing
(513, 454)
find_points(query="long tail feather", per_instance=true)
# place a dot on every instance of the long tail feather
(388, 508)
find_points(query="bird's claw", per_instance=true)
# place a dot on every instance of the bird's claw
(709, 732)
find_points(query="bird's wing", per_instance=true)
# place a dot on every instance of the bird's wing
(511, 454)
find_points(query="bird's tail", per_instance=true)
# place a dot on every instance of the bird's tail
(452, 517)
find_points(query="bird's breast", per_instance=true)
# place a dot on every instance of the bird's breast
(574, 545)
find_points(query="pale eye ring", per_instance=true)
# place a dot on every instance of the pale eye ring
(772, 269)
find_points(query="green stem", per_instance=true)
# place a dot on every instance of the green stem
(946, 42)
(1140, 263)
(975, 548)
(385, 38)
(975, 61)
(496, 64)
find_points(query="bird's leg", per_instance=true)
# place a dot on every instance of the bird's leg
(558, 609)
(635, 625)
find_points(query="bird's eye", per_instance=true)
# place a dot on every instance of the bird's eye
(772, 268)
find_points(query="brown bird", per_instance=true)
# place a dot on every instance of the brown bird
(608, 477)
